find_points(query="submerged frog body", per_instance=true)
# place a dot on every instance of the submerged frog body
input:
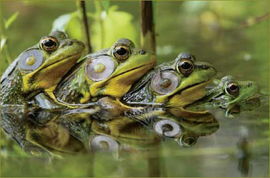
(110, 72)
(39, 68)
(231, 95)
(174, 84)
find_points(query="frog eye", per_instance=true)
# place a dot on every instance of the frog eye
(100, 68)
(30, 60)
(103, 143)
(187, 141)
(185, 67)
(121, 52)
(164, 82)
(49, 43)
(167, 128)
(232, 89)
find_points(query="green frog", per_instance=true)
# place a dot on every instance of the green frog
(110, 72)
(39, 68)
(173, 84)
(231, 95)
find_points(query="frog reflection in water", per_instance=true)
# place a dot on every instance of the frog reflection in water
(45, 136)
(58, 132)
(133, 132)
(39, 68)
(36, 70)
(231, 95)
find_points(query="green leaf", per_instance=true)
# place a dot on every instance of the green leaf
(2, 43)
(111, 26)
(11, 19)
(106, 27)
(106, 5)
(70, 24)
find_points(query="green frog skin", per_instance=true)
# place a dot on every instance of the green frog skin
(39, 68)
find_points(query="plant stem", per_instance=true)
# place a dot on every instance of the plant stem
(255, 20)
(100, 22)
(148, 38)
(82, 9)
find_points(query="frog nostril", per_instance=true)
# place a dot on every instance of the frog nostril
(142, 52)
(69, 43)
(249, 84)
(66, 43)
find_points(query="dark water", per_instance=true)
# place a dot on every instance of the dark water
(216, 32)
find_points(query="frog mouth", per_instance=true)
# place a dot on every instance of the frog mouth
(182, 98)
(132, 69)
(195, 85)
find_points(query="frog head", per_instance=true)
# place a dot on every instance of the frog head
(230, 92)
(181, 82)
(43, 65)
(114, 72)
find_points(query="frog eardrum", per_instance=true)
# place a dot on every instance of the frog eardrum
(103, 143)
(164, 82)
(167, 128)
(30, 60)
(100, 68)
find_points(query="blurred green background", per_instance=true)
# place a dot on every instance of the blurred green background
(231, 35)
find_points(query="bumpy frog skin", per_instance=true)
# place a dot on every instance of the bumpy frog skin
(173, 84)
(110, 72)
(39, 68)
(228, 93)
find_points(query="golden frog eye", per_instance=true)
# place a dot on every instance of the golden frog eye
(121, 52)
(100, 68)
(164, 82)
(167, 128)
(103, 143)
(232, 89)
(30, 60)
(185, 67)
(49, 43)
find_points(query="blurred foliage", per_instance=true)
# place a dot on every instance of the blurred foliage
(4, 51)
(108, 25)
(224, 33)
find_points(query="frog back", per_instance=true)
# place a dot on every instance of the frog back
(11, 84)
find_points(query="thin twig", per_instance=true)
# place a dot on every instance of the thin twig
(82, 10)
(148, 38)
(255, 20)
